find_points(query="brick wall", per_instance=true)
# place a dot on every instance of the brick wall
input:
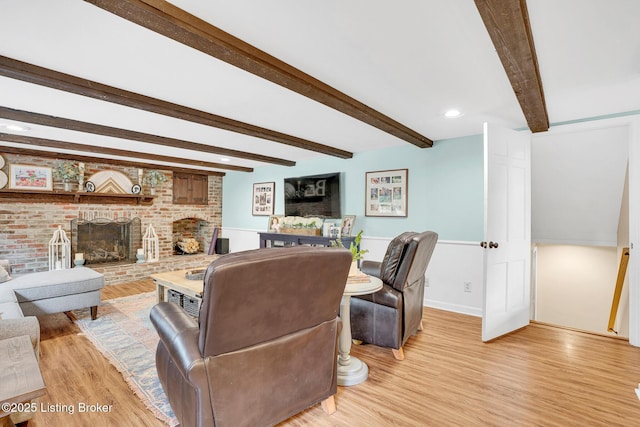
(26, 228)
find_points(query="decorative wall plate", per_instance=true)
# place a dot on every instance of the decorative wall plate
(111, 182)
(89, 187)
(3, 179)
(136, 189)
(1, 162)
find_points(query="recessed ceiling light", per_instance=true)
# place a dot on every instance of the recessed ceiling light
(15, 128)
(225, 159)
(453, 114)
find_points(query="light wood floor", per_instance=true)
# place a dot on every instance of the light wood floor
(538, 376)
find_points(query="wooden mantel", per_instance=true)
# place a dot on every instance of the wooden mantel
(36, 196)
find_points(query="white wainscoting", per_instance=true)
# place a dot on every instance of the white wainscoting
(453, 263)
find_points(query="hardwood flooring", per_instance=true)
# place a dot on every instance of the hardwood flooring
(538, 376)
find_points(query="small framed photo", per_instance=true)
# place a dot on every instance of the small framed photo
(386, 193)
(28, 177)
(263, 198)
(346, 226)
(275, 222)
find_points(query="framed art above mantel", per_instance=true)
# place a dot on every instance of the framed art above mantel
(386, 193)
(29, 177)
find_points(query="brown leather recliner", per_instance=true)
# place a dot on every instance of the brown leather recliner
(265, 346)
(387, 318)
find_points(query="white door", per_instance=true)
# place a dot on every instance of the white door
(507, 231)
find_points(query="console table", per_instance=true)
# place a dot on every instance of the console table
(300, 239)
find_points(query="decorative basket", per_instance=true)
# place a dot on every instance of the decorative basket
(195, 274)
(302, 231)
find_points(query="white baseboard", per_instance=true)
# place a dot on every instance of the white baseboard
(462, 309)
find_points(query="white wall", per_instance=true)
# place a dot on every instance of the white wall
(577, 179)
(452, 264)
(575, 285)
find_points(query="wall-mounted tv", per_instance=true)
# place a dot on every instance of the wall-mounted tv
(316, 195)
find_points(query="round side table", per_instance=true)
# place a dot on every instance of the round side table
(351, 370)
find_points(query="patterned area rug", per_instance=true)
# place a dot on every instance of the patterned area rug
(124, 334)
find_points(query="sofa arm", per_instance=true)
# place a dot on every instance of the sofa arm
(372, 268)
(10, 328)
(4, 263)
(179, 334)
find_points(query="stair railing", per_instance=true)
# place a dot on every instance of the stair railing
(622, 272)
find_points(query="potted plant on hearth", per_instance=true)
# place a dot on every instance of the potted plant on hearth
(67, 172)
(152, 178)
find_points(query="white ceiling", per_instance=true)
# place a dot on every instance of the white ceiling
(410, 60)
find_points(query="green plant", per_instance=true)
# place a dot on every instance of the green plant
(153, 177)
(354, 246)
(67, 171)
(300, 222)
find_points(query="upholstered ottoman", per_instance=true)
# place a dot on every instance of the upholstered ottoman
(55, 291)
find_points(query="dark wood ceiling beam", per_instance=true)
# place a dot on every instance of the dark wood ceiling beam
(79, 126)
(126, 163)
(172, 22)
(101, 151)
(45, 77)
(507, 22)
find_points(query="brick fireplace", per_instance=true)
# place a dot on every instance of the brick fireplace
(27, 227)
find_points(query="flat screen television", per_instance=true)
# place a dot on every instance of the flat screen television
(316, 195)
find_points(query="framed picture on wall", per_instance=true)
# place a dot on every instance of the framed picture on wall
(386, 193)
(263, 198)
(27, 177)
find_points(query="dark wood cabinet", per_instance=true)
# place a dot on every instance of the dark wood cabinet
(190, 189)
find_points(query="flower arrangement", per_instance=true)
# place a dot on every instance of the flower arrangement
(354, 247)
(67, 171)
(301, 222)
(154, 177)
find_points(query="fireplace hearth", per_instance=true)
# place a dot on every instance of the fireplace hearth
(106, 241)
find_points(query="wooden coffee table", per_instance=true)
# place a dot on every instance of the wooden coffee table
(20, 377)
(177, 281)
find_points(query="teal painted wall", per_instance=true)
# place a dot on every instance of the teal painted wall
(445, 189)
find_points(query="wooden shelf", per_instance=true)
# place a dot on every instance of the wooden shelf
(35, 196)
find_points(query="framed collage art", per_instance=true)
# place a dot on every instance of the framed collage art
(263, 198)
(386, 193)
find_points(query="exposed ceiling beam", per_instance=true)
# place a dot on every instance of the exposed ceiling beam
(507, 22)
(45, 77)
(100, 151)
(127, 163)
(76, 125)
(172, 22)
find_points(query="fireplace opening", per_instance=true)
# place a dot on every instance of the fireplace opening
(190, 236)
(106, 241)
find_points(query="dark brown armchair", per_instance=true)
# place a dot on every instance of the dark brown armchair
(390, 316)
(265, 345)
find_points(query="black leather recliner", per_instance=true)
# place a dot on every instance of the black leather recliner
(265, 345)
(387, 318)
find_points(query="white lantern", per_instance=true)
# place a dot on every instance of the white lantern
(59, 250)
(150, 245)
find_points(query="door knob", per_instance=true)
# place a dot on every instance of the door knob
(493, 245)
(483, 244)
